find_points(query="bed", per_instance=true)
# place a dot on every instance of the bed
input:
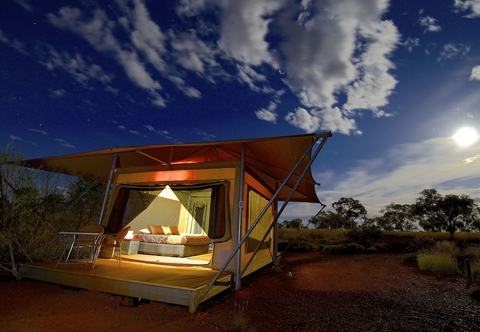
(183, 245)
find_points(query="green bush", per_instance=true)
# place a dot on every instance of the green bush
(443, 263)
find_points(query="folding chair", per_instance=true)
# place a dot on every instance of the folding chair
(116, 241)
(86, 238)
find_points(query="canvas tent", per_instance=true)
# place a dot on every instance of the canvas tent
(233, 187)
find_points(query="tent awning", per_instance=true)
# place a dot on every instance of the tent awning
(270, 159)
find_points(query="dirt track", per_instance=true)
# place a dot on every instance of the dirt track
(324, 293)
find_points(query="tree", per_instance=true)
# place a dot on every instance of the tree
(475, 225)
(18, 196)
(398, 217)
(329, 220)
(448, 213)
(84, 199)
(350, 209)
(381, 222)
(294, 223)
(35, 204)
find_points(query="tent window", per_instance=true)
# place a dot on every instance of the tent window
(200, 209)
(256, 204)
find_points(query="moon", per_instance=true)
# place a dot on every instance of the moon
(465, 136)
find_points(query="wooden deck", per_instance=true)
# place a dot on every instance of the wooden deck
(176, 284)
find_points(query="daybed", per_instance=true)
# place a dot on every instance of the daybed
(182, 245)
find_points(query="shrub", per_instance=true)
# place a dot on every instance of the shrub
(366, 236)
(472, 253)
(446, 247)
(475, 293)
(475, 268)
(354, 247)
(443, 263)
(411, 258)
(383, 247)
(371, 250)
(422, 244)
(343, 248)
(334, 248)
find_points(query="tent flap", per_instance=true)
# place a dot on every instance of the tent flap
(269, 159)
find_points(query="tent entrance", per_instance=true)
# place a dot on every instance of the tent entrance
(194, 209)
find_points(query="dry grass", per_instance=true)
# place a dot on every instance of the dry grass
(441, 262)
(459, 236)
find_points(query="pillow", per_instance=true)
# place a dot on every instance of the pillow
(155, 229)
(167, 230)
(174, 230)
(144, 231)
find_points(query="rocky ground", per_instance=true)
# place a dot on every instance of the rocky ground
(313, 292)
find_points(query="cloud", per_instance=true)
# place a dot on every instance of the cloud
(471, 6)
(244, 25)
(268, 114)
(342, 47)
(64, 143)
(163, 133)
(334, 55)
(430, 24)
(25, 5)
(374, 84)
(147, 36)
(43, 132)
(76, 66)
(475, 75)
(16, 138)
(436, 163)
(58, 93)
(335, 120)
(15, 44)
(196, 55)
(147, 47)
(471, 159)
(322, 50)
(256, 81)
(98, 31)
(303, 119)
(410, 43)
(204, 136)
(451, 50)
(398, 175)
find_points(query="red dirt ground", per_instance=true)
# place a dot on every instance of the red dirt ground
(377, 292)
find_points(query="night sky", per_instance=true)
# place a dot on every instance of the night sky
(392, 80)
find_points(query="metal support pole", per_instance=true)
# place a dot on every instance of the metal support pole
(107, 190)
(284, 205)
(238, 276)
(276, 262)
(249, 231)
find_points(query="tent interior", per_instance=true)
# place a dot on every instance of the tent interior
(186, 209)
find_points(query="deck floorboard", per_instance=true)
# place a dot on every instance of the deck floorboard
(183, 285)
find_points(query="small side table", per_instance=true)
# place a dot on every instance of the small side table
(130, 247)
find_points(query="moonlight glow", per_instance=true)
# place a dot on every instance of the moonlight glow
(465, 136)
